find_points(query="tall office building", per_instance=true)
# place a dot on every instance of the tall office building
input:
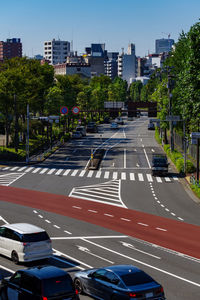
(111, 64)
(56, 51)
(163, 45)
(11, 48)
(127, 64)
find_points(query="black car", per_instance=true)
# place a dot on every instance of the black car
(151, 126)
(92, 127)
(39, 283)
(159, 164)
(118, 282)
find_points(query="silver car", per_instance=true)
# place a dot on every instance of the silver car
(23, 242)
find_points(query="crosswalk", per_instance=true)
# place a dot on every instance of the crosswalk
(99, 174)
(8, 179)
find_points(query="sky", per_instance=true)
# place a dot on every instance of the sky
(113, 22)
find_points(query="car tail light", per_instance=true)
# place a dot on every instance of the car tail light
(134, 295)
(159, 290)
(44, 298)
(76, 291)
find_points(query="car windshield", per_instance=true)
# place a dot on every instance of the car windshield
(57, 286)
(136, 278)
(159, 161)
(35, 237)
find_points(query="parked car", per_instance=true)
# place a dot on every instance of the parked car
(119, 121)
(76, 135)
(113, 125)
(159, 164)
(39, 283)
(119, 282)
(151, 126)
(92, 127)
(106, 120)
(82, 130)
(24, 242)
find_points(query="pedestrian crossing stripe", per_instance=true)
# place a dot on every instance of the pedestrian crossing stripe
(114, 175)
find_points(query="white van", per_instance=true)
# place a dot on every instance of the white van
(24, 242)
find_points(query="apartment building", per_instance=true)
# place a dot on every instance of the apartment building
(11, 48)
(127, 65)
(56, 51)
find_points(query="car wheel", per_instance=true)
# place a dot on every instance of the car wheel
(78, 285)
(15, 257)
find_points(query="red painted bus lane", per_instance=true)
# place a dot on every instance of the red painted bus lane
(172, 234)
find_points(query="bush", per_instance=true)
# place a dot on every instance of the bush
(190, 168)
(180, 165)
(196, 189)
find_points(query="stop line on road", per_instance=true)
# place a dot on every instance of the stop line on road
(99, 174)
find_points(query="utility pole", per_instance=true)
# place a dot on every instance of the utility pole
(27, 136)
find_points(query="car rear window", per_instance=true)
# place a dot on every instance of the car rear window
(35, 237)
(57, 286)
(136, 278)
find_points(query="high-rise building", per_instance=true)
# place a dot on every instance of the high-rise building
(56, 51)
(163, 45)
(111, 64)
(127, 64)
(11, 48)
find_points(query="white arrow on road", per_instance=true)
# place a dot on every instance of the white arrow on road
(84, 249)
(133, 247)
(137, 165)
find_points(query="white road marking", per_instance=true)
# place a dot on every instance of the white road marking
(82, 173)
(66, 172)
(162, 229)
(72, 259)
(124, 219)
(21, 169)
(108, 215)
(123, 176)
(175, 177)
(140, 177)
(8, 179)
(68, 232)
(90, 173)
(1, 218)
(36, 170)
(147, 159)
(137, 165)
(78, 207)
(132, 176)
(106, 175)
(124, 158)
(93, 211)
(40, 216)
(167, 179)
(6, 168)
(158, 179)
(149, 178)
(56, 226)
(152, 150)
(13, 169)
(74, 173)
(59, 171)
(142, 263)
(180, 219)
(173, 214)
(142, 224)
(44, 170)
(48, 221)
(138, 250)
(115, 174)
(86, 250)
(29, 169)
(51, 171)
(98, 175)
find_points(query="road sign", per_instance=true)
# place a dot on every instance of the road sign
(154, 120)
(194, 141)
(64, 110)
(75, 110)
(195, 135)
(172, 118)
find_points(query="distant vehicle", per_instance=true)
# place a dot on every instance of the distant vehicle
(82, 130)
(119, 282)
(24, 242)
(39, 283)
(159, 164)
(119, 121)
(92, 127)
(151, 126)
(76, 135)
(113, 125)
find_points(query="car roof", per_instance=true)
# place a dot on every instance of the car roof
(123, 269)
(24, 228)
(44, 272)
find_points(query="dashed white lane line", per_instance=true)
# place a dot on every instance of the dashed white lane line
(161, 229)
(59, 171)
(108, 215)
(93, 211)
(77, 207)
(40, 216)
(48, 221)
(68, 232)
(123, 219)
(56, 226)
(142, 224)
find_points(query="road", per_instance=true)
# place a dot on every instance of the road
(121, 213)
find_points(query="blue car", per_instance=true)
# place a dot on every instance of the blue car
(120, 282)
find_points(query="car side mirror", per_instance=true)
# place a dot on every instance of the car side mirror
(90, 275)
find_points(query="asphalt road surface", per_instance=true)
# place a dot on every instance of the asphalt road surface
(115, 215)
